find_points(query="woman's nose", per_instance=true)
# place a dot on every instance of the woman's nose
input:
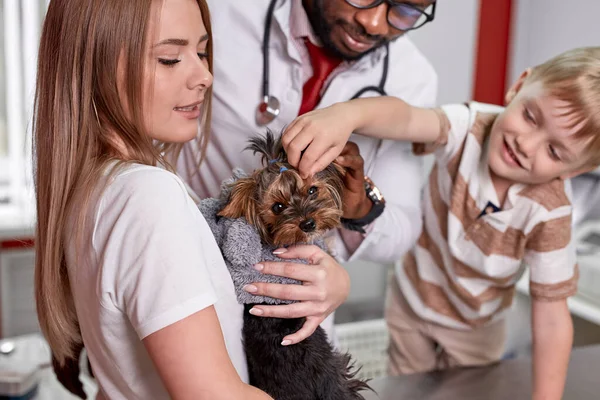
(200, 77)
(374, 20)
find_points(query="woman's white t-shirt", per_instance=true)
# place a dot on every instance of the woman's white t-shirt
(148, 259)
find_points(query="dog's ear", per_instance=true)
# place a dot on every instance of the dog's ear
(241, 201)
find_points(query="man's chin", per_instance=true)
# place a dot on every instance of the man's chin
(338, 47)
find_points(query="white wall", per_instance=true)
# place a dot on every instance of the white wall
(545, 28)
(449, 42)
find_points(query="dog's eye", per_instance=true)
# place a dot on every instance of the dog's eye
(312, 190)
(277, 208)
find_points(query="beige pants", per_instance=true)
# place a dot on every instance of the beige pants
(417, 345)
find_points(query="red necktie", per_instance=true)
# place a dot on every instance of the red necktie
(323, 64)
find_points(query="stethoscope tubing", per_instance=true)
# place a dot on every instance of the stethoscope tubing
(380, 89)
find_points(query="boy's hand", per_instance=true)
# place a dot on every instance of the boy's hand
(313, 140)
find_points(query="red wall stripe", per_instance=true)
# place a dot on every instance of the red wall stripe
(493, 47)
(13, 244)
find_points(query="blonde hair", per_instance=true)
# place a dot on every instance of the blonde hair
(574, 77)
(77, 113)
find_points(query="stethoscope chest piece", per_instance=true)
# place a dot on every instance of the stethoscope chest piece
(267, 110)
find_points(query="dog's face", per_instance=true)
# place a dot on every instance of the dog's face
(283, 207)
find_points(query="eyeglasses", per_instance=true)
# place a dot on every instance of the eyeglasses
(402, 16)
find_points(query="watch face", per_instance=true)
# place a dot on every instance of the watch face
(373, 192)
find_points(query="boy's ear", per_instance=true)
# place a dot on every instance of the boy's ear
(241, 200)
(514, 89)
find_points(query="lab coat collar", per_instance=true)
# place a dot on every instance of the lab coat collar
(281, 15)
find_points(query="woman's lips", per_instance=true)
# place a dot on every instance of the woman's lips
(191, 111)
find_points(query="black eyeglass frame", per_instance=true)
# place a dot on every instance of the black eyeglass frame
(391, 3)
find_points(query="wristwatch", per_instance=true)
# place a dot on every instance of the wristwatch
(373, 194)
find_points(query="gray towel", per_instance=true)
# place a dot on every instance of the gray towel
(242, 248)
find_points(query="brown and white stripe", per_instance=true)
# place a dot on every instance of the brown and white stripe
(463, 270)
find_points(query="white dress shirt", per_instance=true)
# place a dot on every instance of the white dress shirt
(238, 64)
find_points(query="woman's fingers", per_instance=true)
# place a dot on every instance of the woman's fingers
(301, 272)
(309, 327)
(294, 310)
(309, 252)
(285, 291)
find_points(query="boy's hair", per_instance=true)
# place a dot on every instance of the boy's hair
(574, 77)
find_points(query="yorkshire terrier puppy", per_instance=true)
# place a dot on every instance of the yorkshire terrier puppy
(285, 209)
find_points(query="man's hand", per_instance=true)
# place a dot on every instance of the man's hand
(356, 204)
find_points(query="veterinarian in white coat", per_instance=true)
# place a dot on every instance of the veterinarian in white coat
(238, 32)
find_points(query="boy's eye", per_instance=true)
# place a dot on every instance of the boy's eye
(553, 153)
(312, 190)
(277, 208)
(168, 61)
(528, 115)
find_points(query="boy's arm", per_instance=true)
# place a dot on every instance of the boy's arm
(552, 340)
(315, 139)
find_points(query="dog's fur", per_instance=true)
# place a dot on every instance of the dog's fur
(286, 210)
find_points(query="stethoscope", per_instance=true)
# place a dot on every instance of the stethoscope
(270, 107)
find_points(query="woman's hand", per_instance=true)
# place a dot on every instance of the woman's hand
(326, 286)
(313, 140)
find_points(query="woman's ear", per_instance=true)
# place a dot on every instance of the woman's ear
(241, 201)
(514, 89)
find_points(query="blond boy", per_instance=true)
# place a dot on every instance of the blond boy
(496, 202)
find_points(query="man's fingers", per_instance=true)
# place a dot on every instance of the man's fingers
(354, 165)
(309, 327)
(350, 148)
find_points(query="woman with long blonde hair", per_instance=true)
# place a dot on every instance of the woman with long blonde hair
(124, 260)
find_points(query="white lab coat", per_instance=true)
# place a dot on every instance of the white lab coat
(237, 33)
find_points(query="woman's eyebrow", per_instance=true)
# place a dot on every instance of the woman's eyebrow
(172, 41)
(179, 42)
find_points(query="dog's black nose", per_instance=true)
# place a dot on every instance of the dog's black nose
(308, 225)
